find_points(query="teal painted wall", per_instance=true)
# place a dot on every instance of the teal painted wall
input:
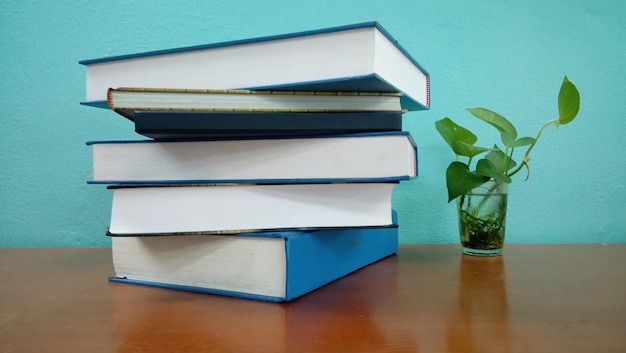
(509, 56)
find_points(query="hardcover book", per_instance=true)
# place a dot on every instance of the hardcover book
(356, 57)
(127, 100)
(219, 208)
(173, 125)
(274, 266)
(380, 156)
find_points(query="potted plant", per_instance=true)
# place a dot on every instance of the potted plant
(479, 182)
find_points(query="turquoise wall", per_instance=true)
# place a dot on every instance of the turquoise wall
(509, 56)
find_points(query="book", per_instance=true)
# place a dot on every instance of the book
(275, 266)
(355, 57)
(127, 100)
(169, 125)
(184, 113)
(380, 156)
(219, 208)
(287, 327)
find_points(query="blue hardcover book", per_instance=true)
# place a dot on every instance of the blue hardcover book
(361, 57)
(379, 157)
(268, 266)
(167, 125)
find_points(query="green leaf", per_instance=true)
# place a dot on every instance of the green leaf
(507, 130)
(569, 102)
(522, 141)
(500, 160)
(460, 180)
(451, 132)
(486, 168)
(458, 138)
(507, 140)
(463, 149)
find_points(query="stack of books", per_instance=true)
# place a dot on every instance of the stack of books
(270, 162)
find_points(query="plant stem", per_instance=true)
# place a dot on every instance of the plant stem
(510, 155)
(488, 194)
(526, 159)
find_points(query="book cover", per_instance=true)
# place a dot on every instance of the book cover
(167, 125)
(275, 267)
(355, 57)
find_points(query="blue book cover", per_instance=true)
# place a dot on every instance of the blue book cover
(163, 125)
(357, 57)
(311, 259)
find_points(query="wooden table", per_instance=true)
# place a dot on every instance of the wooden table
(428, 298)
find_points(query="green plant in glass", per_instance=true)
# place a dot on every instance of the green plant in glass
(491, 169)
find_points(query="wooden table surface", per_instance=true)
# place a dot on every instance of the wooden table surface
(428, 298)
